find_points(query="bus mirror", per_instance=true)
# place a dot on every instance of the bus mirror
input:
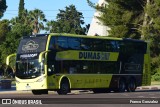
(8, 58)
(42, 56)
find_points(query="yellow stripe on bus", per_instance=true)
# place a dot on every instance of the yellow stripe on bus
(87, 55)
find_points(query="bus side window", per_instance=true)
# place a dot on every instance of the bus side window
(62, 43)
(122, 48)
(98, 45)
(86, 44)
(114, 46)
(109, 46)
(74, 43)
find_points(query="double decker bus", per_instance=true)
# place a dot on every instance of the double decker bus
(65, 62)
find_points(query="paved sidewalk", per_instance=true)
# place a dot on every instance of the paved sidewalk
(13, 90)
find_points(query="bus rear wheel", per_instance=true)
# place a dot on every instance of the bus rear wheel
(121, 86)
(131, 86)
(64, 87)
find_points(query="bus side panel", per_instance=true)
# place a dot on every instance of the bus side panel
(53, 82)
(89, 81)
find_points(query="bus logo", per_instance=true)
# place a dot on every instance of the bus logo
(94, 55)
(30, 46)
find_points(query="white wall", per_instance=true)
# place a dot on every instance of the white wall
(96, 26)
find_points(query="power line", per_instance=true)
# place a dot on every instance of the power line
(49, 16)
(56, 10)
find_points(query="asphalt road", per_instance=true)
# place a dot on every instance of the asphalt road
(85, 99)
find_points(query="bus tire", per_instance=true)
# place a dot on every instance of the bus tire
(64, 87)
(131, 85)
(45, 92)
(121, 85)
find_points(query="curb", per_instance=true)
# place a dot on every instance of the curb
(148, 88)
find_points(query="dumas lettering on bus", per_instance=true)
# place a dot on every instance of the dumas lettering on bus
(28, 55)
(94, 55)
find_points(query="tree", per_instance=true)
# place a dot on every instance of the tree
(3, 7)
(10, 44)
(37, 18)
(33, 19)
(68, 21)
(21, 8)
(25, 19)
(54, 27)
(152, 30)
(5, 28)
(151, 26)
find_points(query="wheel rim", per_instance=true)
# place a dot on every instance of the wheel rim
(122, 86)
(132, 86)
(64, 88)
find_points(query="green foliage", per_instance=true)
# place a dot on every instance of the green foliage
(33, 19)
(153, 28)
(68, 21)
(21, 8)
(3, 7)
(21, 30)
(155, 63)
(12, 39)
(152, 31)
(36, 19)
(4, 29)
(11, 43)
(156, 76)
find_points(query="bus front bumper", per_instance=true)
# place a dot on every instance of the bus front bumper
(31, 84)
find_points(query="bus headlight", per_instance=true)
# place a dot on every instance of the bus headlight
(41, 79)
(17, 81)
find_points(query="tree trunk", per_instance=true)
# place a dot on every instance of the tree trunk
(145, 19)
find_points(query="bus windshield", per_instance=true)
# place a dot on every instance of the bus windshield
(29, 69)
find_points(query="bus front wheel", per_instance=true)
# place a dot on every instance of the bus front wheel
(64, 87)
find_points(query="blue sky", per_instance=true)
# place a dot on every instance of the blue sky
(50, 8)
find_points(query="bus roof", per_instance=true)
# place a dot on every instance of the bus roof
(84, 36)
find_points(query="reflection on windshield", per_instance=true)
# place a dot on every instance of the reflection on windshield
(28, 69)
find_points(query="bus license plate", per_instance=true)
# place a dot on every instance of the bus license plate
(28, 87)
